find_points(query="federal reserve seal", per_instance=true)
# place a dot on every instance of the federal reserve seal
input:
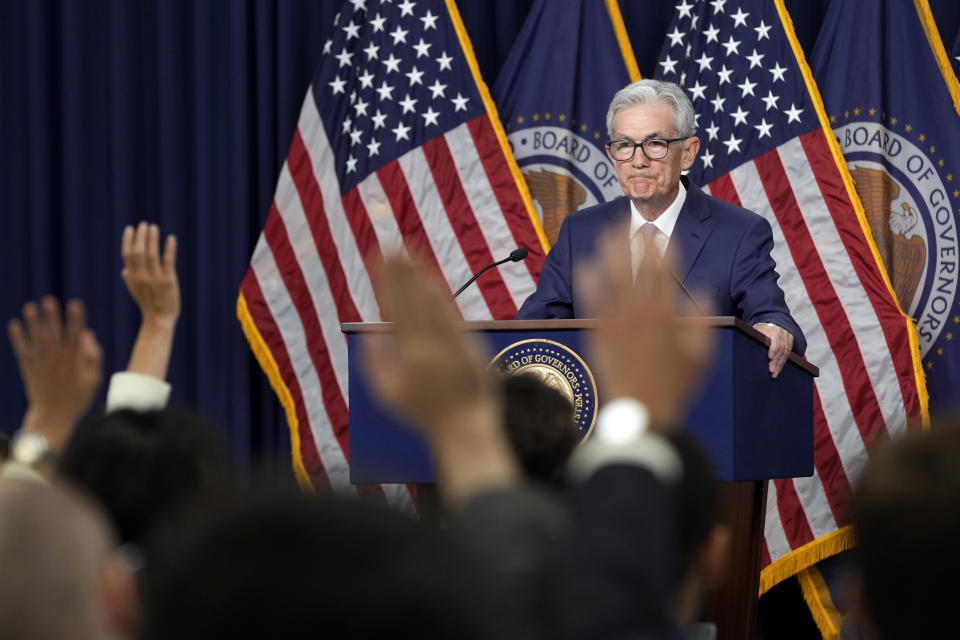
(907, 203)
(560, 368)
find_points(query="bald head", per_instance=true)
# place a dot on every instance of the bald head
(53, 548)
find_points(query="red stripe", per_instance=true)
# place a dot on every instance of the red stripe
(723, 189)
(792, 516)
(301, 169)
(464, 223)
(833, 319)
(263, 319)
(765, 554)
(506, 192)
(829, 466)
(363, 233)
(276, 236)
(408, 218)
(841, 210)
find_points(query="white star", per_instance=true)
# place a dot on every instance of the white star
(352, 30)
(724, 74)
(371, 51)
(415, 76)
(344, 58)
(406, 8)
(459, 102)
(359, 5)
(746, 87)
(429, 21)
(401, 132)
(346, 125)
(763, 31)
(407, 103)
(698, 90)
(444, 61)
(355, 136)
(366, 80)
(704, 61)
(686, 53)
(763, 128)
(437, 89)
(430, 116)
(336, 19)
(399, 35)
(733, 144)
(732, 46)
(668, 65)
(711, 34)
(385, 91)
(351, 164)
(338, 85)
(392, 63)
(693, 22)
(718, 103)
(326, 46)
(707, 159)
(777, 72)
(379, 119)
(373, 148)
(740, 18)
(353, 97)
(684, 9)
(361, 108)
(755, 59)
(793, 113)
(422, 48)
(675, 37)
(683, 78)
(712, 130)
(377, 23)
(718, 5)
(770, 100)
(740, 116)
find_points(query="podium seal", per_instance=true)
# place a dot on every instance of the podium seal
(560, 368)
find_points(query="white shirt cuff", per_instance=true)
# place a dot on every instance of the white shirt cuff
(138, 391)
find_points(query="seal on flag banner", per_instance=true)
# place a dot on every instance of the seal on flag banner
(556, 122)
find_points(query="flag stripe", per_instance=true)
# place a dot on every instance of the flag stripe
(378, 207)
(829, 465)
(724, 189)
(499, 175)
(820, 288)
(465, 227)
(480, 194)
(775, 538)
(260, 313)
(795, 526)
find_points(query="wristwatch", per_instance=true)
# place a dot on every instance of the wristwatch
(31, 448)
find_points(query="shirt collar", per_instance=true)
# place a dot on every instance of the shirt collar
(666, 221)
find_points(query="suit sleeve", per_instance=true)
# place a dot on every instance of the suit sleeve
(754, 287)
(553, 297)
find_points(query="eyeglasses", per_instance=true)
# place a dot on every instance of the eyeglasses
(654, 149)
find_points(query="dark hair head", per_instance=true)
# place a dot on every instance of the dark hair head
(289, 566)
(698, 509)
(142, 466)
(906, 514)
(540, 427)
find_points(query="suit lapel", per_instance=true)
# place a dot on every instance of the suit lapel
(691, 231)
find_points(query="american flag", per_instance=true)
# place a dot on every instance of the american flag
(767, 146)
(397, 147)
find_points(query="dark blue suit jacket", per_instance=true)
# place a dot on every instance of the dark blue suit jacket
(721, 252)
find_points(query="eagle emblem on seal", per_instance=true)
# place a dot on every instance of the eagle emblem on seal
(558, 195)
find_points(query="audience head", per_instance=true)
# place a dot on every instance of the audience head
(290, 566)
(906, 514)
(58, 576)
(143, 466)
(702, 540)
(540, 427)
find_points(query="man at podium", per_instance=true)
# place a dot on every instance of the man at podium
(719, 251)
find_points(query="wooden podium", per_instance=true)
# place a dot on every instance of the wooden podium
(754, 428)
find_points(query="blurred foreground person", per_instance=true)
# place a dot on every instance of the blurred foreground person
(58, 576)
(292, 566)
(906, 513)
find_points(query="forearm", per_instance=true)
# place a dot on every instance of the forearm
(151, 351)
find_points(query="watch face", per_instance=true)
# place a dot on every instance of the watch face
(30, 448)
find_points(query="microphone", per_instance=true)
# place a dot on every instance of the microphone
(515, 256)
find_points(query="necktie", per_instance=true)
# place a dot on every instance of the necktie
(648, 232)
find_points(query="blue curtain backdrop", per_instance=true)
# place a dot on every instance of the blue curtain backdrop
(180, 112)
